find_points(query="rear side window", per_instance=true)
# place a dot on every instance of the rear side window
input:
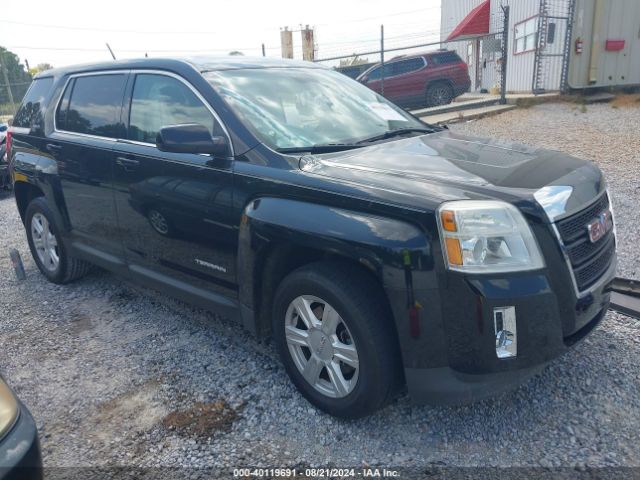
(445, 58)
(406, 66)
(91, 105)
(159, 101)
(30, 113)
(397, 68)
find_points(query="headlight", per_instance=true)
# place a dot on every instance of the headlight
(485, 236)
(8, 408)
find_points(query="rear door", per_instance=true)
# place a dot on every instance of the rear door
(87, 123)
(175, 211)
(405, 84)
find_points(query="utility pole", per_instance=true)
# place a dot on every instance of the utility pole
(505, 52)
(5, 75)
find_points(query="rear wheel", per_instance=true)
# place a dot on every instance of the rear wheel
(439, 93)
(47, 249)
(335, 339)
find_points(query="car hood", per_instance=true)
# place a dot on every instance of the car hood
(446, 166)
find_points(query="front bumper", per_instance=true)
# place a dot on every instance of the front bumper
(20, 456)
(453, 357)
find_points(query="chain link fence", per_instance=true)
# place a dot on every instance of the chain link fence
(485, 55)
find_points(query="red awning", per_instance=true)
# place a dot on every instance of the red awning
(475, 24)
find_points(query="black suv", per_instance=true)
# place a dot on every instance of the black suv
(377, 251)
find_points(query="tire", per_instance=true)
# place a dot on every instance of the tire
(365, 381)
(439, 93)
(66, 268)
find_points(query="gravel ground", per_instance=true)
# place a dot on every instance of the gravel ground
(118, 375)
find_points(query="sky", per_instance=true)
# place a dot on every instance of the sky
(66, 32)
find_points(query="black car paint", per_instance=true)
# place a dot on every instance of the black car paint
(374, 206)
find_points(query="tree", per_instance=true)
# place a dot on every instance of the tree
(19, 78)
(41, 67)
(236, 53)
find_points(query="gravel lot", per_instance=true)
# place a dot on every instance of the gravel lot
(119, 375)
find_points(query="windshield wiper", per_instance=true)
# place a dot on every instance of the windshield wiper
(320, 148)
(396, 133)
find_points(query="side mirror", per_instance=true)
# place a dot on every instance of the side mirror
(190, 138)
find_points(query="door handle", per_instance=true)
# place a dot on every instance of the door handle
(129, 164)
(53, 148)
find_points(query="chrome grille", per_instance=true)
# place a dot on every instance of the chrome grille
(589, 261)
(573, 227)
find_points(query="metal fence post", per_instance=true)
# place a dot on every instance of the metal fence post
(505, 52)
(382, 60)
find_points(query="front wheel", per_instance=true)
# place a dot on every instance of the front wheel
(336, 340)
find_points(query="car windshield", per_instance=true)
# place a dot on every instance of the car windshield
(289, 108)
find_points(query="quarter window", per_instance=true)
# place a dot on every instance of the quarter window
(30, 113)
(92, 105)
(159, 101)
(526, 34)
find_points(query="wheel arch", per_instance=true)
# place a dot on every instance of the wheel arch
(24, 193)
(278, 236)
(438, 80)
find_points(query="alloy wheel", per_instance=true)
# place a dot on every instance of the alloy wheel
(45, 242)
(321, 346)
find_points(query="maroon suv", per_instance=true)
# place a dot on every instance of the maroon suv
(432, 78)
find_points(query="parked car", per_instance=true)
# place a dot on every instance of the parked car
(376, 250)
(426, 79)
(20, 456)
(5, 181)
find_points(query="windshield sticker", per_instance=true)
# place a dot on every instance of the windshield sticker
(385, 112)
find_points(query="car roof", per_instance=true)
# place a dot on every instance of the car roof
(201, 63)
(421, 54)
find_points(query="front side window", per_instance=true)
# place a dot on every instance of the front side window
(159, 101)
(302, 107)
(526, 35)
(375, 73)
(92, 105)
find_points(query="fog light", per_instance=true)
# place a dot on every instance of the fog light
(504, 323)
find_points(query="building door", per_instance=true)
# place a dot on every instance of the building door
(473, 62)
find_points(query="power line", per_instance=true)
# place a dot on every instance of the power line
(107, 30)
(138, 50)
(192, 32)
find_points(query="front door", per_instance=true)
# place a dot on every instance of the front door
(174, 210)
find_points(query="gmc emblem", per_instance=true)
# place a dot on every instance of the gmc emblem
(599, 227)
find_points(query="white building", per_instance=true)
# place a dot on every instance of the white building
(602, 46)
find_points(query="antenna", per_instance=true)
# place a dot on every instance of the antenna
(110, 51)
